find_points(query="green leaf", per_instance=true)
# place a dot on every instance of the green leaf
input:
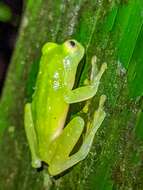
(111, 30)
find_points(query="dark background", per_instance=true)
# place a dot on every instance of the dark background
(8, 35)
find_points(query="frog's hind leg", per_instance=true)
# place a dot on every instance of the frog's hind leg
(31, 136)
(68, 138)
(66, 141)
(61, 165)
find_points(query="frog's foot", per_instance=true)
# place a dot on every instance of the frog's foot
(94, 68)
(86, 92)
(96, 75)
(36, 163)
(59, 166)
(98, 117)
(31, 136)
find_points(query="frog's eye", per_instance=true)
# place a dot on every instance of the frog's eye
(73, 47)
(72, 43)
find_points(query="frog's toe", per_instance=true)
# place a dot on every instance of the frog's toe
(36, 163)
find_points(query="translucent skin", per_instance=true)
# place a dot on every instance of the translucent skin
(50, 141)
(56, 76)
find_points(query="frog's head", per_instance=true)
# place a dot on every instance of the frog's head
(73, 52)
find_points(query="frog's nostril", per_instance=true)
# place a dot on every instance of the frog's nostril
(72, 43)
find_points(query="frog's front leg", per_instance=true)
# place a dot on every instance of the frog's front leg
(31, 136)
(59, 165)
(86, 92)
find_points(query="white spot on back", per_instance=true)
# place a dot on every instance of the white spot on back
(56, 75)
(66, 62)
(56, 85)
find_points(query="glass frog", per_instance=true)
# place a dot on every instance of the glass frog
(50, 141)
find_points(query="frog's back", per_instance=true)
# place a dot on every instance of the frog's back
(48, 105)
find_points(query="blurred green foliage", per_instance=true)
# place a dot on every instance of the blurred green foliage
(5, 12)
